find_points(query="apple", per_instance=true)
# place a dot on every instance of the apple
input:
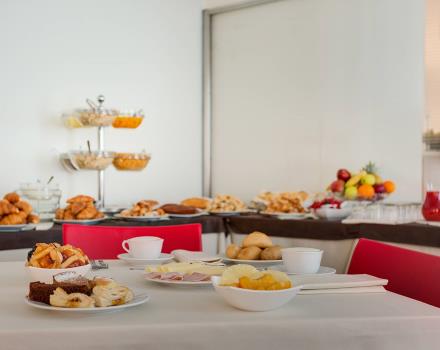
(337, 186)
(368, 179)
(379, 188)
(343, 174)
(351, 192)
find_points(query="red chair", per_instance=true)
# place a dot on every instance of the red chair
(410, 273)
(104, 242)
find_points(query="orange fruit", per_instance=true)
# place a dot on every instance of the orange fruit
(366, 191)
(390, 187)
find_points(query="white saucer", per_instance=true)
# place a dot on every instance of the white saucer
(137, 300)
(202, 213)
(323, 270)
(164, 258)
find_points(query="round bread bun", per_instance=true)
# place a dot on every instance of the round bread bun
(271, 253)
(232, 251)
(249, 253)
(257, 239)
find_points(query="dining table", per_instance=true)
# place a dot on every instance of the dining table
(196, 317)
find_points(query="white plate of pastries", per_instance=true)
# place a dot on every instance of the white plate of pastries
(256, 249)
(144, 210)
(225, 204)
(80, 208)
(16, 214)
(69, 292)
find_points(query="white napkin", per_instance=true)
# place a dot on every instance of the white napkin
(326, 284)
(188, 256)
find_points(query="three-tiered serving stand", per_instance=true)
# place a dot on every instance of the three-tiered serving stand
(71, 165)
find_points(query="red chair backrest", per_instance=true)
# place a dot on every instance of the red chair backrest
(104, 242)
(410, 273)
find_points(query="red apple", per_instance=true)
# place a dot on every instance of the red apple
(343, 174)
(337, 186)
(379, 188)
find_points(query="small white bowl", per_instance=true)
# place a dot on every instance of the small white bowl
(38, 274)
(333, 213)
(254, 300)
(301, 260)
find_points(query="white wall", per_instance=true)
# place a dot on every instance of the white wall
(304, 87)
(139, 54)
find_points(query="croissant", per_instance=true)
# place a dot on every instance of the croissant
(12, 197)
(33, 219)
(7, 208)
(88, 213)
(77, 207)
(12, 219)
(25, 206)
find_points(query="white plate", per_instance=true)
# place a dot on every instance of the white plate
(179, 283)
(142, 218)
(137, 300)
(323, 270)
(292, 216)
(91, 221)
(16, 228)
(256, 263)
(135, 261)
(202, 213)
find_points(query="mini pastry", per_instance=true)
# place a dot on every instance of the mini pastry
(111, 295)
(60, 298)
(12, 197)
(258, 239)
(249, 253)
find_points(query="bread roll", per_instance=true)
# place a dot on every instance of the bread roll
(271, 253)
(232, 251)
(196, 202)
(257, 239)
(249, 253)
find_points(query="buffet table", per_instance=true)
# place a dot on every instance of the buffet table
(197, 318)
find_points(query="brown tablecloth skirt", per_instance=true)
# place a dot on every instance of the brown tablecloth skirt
(335, 230)
(314, 229)
(26, 239)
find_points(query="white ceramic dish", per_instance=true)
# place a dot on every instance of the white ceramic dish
(84, 222)
(16, 228)
(143, 247)
(163, 258)
(202, 213)
(301, 260)
(333, 214)
(179, 283)
(288, 216)
(143, 218)
(137, 300)
(256, 263)
(322, 271)
(38, 274)
(255, 300)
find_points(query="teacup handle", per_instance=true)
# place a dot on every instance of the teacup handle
(124, 246)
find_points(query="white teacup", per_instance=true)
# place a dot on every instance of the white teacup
(301, 260)
(144, 247)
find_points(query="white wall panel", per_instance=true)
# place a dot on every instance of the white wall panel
(304, 87)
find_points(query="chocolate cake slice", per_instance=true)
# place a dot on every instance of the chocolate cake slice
(41, 292)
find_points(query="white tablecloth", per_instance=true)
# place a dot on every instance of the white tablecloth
(197, 318)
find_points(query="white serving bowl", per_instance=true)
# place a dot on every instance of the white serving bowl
(300, 260)
(38, 274)
(333, 213)
(254, 300)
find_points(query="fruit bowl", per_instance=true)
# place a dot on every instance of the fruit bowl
(254, 300)
(333, 214)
